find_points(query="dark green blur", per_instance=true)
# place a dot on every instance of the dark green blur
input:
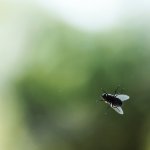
(64, 75)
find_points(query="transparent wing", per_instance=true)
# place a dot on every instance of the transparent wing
(122, 97)
(118, 110)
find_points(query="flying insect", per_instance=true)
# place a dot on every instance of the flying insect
(115, 100)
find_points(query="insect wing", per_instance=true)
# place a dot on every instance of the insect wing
(122, 97)
(118, 110)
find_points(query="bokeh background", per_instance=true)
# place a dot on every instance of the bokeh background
(55, 56)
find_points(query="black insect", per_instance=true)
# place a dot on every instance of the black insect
(115, 100)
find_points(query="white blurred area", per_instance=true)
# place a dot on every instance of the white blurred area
(85, 14)
(17, 19)
(97, 15)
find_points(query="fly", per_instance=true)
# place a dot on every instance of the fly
(115, 100)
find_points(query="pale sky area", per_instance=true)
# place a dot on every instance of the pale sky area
(92, 15)
(85, 14)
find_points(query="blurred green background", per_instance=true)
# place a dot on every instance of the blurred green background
(51, 77)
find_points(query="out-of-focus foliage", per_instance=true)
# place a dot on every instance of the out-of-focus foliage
(66, 72)
(51, 103)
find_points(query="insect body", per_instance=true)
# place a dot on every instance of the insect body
(115, 100)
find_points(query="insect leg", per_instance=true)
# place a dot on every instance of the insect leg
(116, 91)
(103, 91)
(122, 90)
(98, 100)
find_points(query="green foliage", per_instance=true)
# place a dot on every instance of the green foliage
(66, 71)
